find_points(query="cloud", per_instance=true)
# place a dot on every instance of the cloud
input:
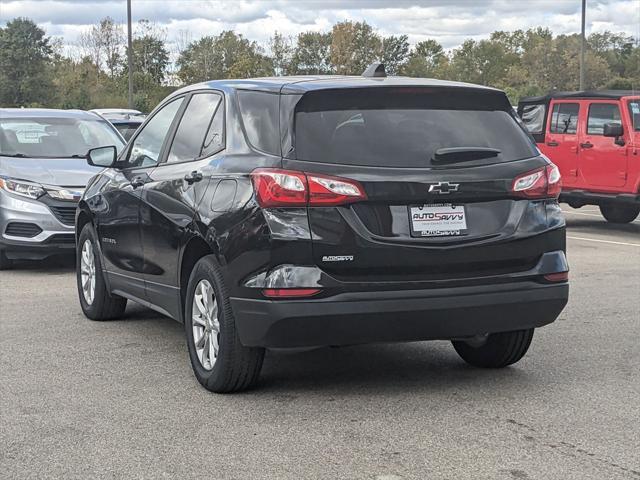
(448, 21)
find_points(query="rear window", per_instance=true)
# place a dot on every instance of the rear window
(403, 127)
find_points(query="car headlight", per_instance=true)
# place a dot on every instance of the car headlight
(65, 194)
(20, 187)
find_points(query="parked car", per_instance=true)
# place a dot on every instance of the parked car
(43, 173)
(125, 120)
(594, 138)
(313, 211)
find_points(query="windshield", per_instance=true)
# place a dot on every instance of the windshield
(634, 113)
(404, 127)
(54, 137)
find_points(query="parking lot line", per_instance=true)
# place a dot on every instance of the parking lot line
(586, 239)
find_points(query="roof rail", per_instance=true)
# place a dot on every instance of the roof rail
(375, 70)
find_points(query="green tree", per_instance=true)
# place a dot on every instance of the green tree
(25, 54)
(311, 54)
(395, 50)
(228, 55)
(149, 57)
(427, 59)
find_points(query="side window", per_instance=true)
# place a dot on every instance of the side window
(194, 126)
(214, 139)
(601, 114)
(260, 116)
(146, 147)
(533, 117)
(564, 118)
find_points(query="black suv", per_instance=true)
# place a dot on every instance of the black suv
(311, 211)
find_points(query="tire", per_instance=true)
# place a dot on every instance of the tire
(5, 263)
(103, 305)
(498, 351)
(620, 213)
(234, 367)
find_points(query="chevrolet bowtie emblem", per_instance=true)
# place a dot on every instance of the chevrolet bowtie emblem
(443, 187)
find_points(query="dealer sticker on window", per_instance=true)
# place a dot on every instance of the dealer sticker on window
(437, 220)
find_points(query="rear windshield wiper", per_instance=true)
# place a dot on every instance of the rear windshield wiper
(463, 154)
(14, 155)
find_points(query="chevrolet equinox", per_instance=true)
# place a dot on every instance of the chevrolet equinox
(327, 210)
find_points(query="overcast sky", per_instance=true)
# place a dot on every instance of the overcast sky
(448, 21)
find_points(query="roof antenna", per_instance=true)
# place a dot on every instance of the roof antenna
(376, 69)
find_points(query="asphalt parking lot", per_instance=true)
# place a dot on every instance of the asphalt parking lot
(82, 399)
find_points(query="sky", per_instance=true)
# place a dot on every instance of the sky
(449, 22)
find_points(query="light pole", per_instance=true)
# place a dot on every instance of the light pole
(129, 54)
(582, 44)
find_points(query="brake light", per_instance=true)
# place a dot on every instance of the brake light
(289, 292)
(542, 183)
(288, 188)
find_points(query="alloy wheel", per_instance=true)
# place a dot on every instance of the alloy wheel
(88, 271)
(205, 324)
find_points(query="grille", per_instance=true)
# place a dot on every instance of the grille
(63, 238)
(66, 215)
(20, 229)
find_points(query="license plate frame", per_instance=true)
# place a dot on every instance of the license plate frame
(440, 225)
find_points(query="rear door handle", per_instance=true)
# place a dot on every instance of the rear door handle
(552, 144)
(193, 177)
(137, 182)
(586, 145)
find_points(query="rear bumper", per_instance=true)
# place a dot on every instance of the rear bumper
(583, 197)
(397, 316)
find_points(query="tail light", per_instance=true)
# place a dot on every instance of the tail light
(542, 183)
(288, 188)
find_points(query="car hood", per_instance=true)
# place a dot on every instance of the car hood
(66, 172)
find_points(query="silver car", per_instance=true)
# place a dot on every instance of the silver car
(43, 174)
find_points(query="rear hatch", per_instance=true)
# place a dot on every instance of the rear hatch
(437, 169)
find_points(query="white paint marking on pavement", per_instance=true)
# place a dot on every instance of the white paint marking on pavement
(603, 241)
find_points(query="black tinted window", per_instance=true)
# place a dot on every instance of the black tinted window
(260, 117)
(404, 127)
(564, 118)
(145, 151)
(187, 144)
(601, 114)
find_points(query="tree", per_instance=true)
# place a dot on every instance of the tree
(103, 44)
(354, 46)
(149, 57)
(427, 59)
(25, 54)
(311, 54)
(395, 50)
(226, 56)
(282, 53)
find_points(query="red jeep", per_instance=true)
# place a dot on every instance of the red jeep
(594, 138)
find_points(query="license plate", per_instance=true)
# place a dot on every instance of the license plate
(437, 220)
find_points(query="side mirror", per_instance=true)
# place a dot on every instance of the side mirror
(613, 130)
(102, 156)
